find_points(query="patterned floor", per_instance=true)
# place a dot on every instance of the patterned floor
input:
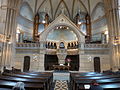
(61, 85)
(61, 76)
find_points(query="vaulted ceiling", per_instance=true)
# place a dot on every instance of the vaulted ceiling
(55, 7)
(68, 7)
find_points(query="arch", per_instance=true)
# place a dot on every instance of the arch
(26, 11)
(62, 20)
(81, 6)
(43, 4)
(98, 5)
(60, 3)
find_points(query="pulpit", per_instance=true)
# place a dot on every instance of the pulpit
(61, 67)
(61, 54)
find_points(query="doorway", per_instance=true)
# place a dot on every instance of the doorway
(50, 60)
(74, 62)
(26, 66)
(97, 64)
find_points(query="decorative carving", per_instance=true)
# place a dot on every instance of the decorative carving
(61, 54)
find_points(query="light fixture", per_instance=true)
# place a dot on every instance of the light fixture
(18, 31)
(9, 42)
(62, 27)
(79, 23)
(106, 32)
(67, 27)
(116, 40)
(8, 39)
(43, 21)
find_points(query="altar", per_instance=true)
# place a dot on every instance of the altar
(61, 67)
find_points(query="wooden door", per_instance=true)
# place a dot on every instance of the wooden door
(26, 66)
(97, 64)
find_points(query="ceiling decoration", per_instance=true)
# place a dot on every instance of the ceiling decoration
(62, 8)
(78, 7)
(55, 7)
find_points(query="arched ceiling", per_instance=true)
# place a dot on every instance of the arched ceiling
(55, 7)
(26, 11)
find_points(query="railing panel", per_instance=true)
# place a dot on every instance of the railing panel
(82, 46)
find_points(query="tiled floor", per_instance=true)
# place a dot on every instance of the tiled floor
(61, 80)
(61, 85)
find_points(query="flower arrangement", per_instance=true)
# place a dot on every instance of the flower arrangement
(68, 60)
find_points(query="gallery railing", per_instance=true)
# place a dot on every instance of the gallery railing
(27, 45)
(81, 46)
(96, 46)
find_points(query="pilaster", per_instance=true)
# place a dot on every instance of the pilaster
(113, 19)
(10, 10)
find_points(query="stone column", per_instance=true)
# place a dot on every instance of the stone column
(113, 19)
(9, 10)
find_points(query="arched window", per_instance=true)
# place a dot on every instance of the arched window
(62, 45)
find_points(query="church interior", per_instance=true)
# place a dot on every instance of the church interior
(65, 44)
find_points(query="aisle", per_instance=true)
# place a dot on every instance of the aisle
(61, 75)
(61, 80)
(61, 85)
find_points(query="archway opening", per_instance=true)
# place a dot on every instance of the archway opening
(97, 64)
(26, 66)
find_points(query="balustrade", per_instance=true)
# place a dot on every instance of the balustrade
(96, 46)
(20, 45)
(85, 46)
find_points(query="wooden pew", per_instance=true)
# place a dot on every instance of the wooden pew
(28, 86)
(78, 80)
(44, 79)
(49, 77)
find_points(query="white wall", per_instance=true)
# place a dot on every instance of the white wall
(87, 62)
